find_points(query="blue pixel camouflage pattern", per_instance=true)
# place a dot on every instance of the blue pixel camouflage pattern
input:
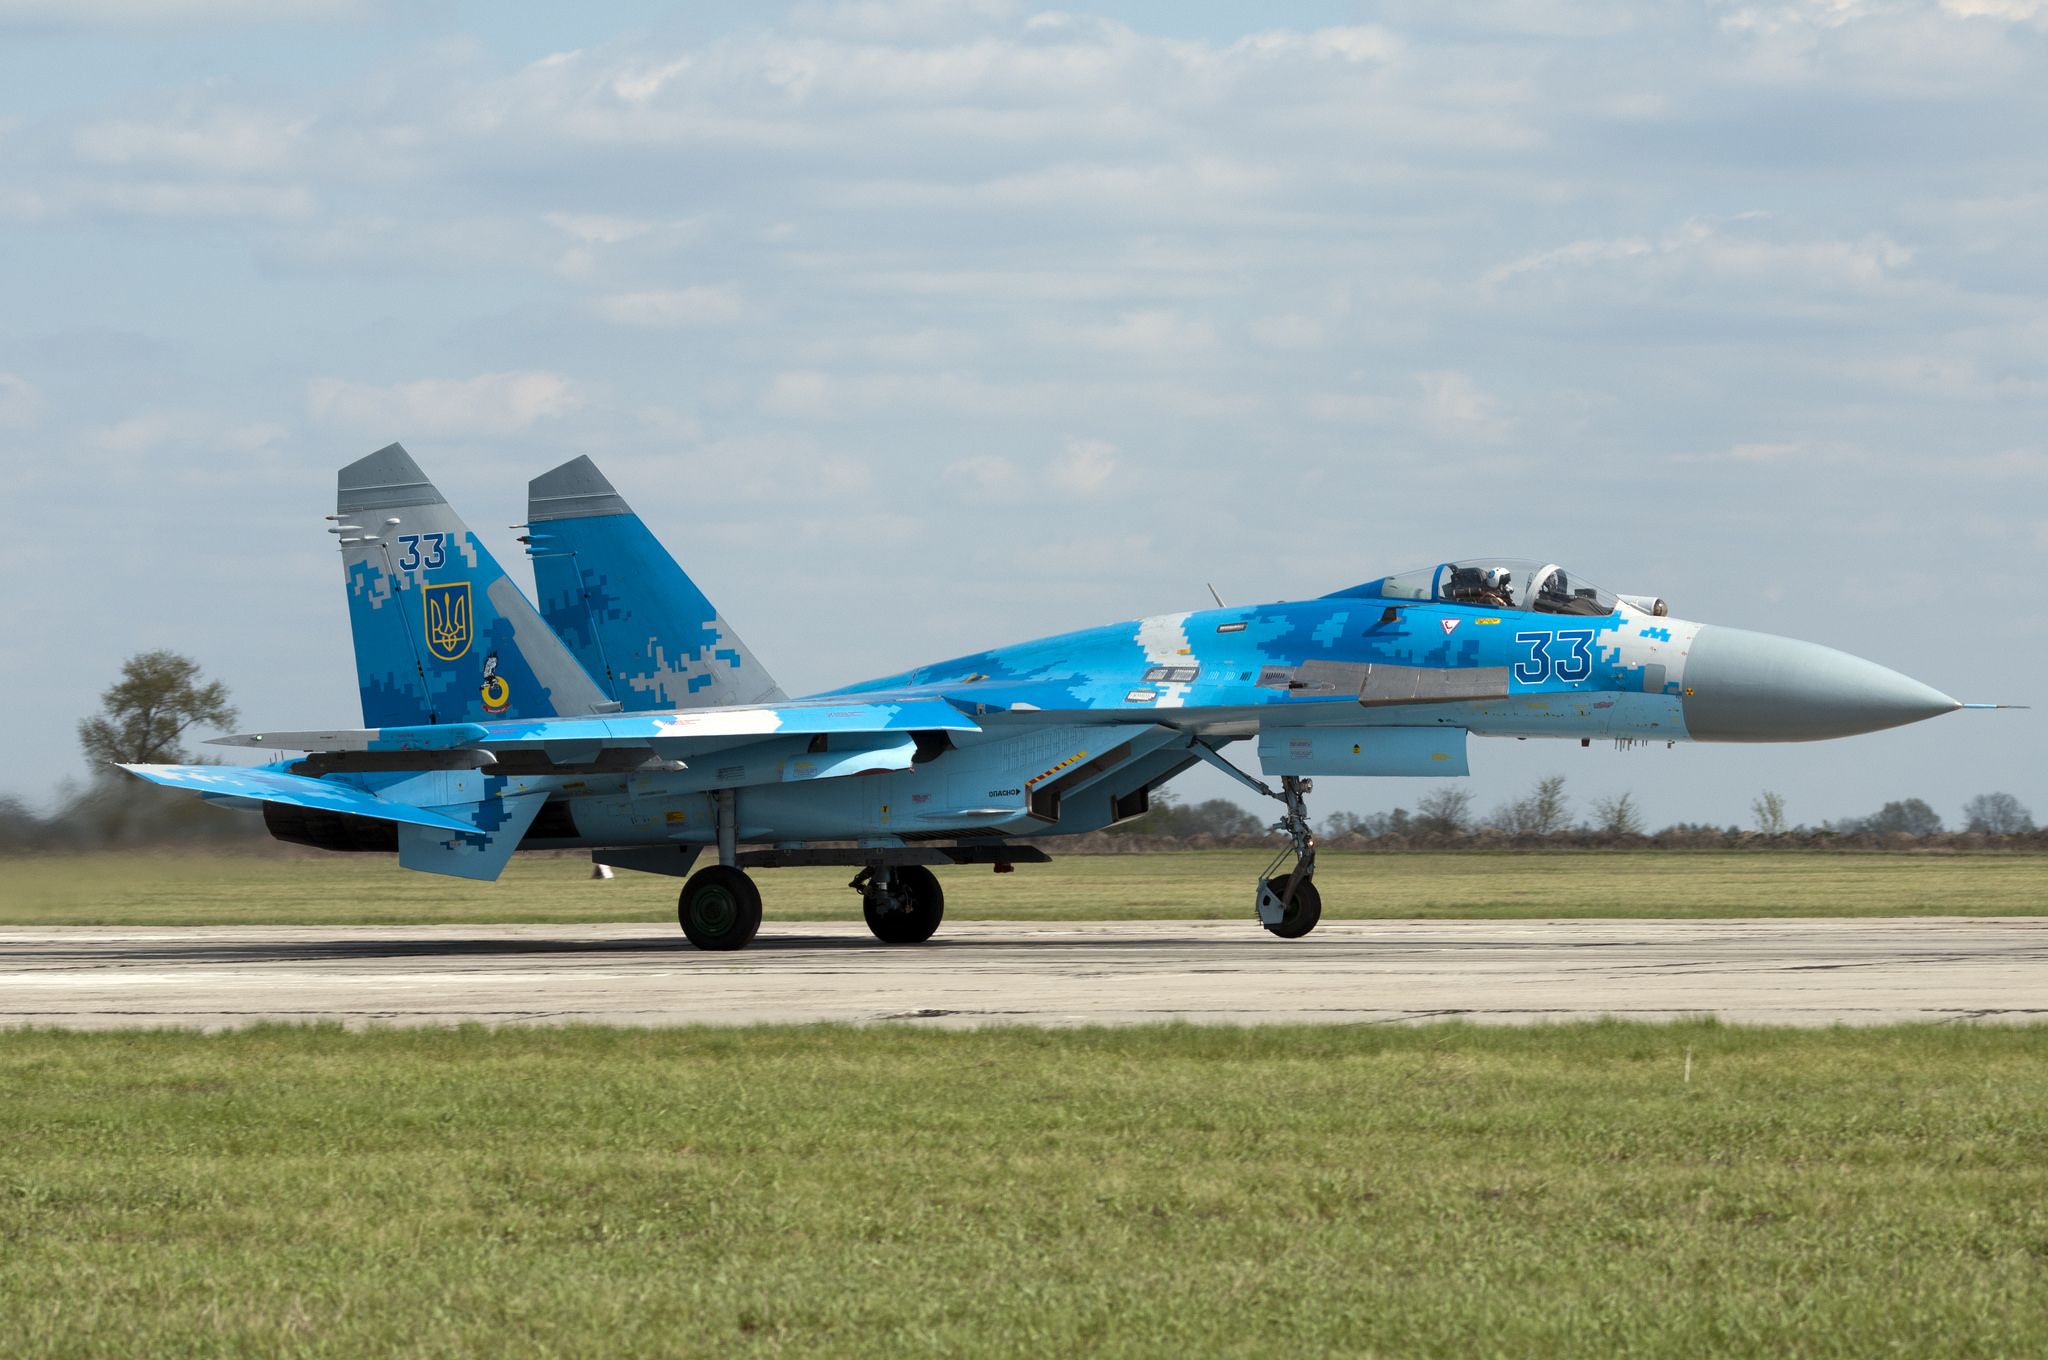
(496, 706)
(629, 614)
(441, 633)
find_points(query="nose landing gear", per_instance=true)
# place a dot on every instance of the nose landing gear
(1288, 904)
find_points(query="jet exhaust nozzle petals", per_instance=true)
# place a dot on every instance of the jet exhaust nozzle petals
(1744, 686)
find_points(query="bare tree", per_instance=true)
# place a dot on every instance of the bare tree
(1910, 815)
(1542, 813)
(1997, 814)
(1617, 816)
(1342, 824)
(1769, 813)
(145, 714)
(1446, 811)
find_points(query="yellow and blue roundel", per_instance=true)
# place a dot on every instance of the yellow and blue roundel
(448, 620)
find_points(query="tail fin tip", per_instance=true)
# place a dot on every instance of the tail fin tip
(386, 479)
(575, 490)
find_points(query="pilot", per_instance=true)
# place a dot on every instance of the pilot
(1495, 588)
(1555, 596)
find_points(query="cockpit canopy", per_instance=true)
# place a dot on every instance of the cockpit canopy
(1495, 583)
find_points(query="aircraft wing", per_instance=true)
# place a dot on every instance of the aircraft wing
(671, 734)
(228, 782)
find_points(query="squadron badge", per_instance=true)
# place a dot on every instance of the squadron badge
(497, 693)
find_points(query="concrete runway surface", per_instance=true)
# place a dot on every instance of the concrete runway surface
(1803, 972)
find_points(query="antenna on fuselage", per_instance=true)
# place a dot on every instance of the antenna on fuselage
(1214, 596)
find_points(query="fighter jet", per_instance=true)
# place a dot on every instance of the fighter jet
(624, 715)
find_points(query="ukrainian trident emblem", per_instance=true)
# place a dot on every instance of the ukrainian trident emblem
(447, 620)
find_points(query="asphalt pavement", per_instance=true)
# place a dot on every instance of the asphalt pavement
(1791, 972)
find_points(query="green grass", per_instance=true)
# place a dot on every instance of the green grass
(1171, 1191)
(371, 889)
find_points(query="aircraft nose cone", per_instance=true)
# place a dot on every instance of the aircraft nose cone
(1743, 686)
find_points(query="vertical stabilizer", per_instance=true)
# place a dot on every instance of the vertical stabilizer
(441, 633)
(625, 609)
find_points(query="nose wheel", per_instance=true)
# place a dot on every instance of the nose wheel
(1289, 904)
(1290, 915)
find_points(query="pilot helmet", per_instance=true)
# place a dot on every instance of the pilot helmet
(1497, 578)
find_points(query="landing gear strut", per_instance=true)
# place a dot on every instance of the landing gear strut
(1288, 904)
(903, 903)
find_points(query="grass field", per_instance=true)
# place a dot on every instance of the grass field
(1443, 1191)
(371, 889)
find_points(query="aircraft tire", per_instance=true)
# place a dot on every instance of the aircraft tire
(720, 908)
(915, 922)
(1302, 913)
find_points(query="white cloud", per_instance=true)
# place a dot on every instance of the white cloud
(1150, 333)
(673, 308)
(1287, 331)
(490, 403)
(597, 228)
(1708, 259)
(65, 14)
(168, 199)
(217, 141)
(20, 404)
(983, 473)
(1085, 466)
(1350, 408)
(1452, 406)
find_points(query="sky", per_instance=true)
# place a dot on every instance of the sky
(915, 328)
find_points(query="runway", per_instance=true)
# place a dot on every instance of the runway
(1803, 972)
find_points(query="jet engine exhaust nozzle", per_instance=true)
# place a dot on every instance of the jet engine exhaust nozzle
(1744, 686)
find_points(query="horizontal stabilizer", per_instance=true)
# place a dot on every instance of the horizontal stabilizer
(272, 786)
(493, 831)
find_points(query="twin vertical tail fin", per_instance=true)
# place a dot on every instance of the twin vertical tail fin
(441, 633)
(623, 607)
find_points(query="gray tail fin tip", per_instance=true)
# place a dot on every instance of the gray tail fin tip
(575, 490)
(386, 479)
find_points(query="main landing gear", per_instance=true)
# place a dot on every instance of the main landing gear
(720, 908)
(1288, 904)
(903, 903)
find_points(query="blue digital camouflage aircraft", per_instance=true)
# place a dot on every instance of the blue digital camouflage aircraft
(625, 715)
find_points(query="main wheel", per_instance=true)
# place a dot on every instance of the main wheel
(1302, 913)
(911, 912)
(720, 908)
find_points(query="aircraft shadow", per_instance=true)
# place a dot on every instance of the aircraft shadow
(340, 949)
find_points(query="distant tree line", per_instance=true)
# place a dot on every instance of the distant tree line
(1444, 818)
